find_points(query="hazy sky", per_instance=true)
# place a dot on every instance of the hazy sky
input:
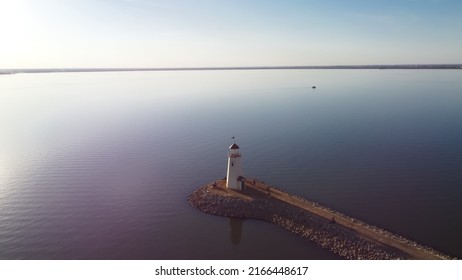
(169, 33)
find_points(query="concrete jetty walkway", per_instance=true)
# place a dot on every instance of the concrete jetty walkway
(335, 231)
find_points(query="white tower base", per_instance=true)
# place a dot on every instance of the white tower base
(234, 178)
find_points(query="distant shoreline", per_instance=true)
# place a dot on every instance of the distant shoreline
(338, 67)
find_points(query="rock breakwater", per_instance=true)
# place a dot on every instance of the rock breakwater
(263, 202)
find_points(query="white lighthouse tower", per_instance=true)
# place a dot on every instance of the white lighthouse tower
(234, 178)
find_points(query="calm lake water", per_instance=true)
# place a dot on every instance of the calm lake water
(99, 165)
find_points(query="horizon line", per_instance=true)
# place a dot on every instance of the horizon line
(283, 67)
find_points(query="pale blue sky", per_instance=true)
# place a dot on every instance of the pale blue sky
(175, 33)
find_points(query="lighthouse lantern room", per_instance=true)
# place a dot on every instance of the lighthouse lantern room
(234, 178)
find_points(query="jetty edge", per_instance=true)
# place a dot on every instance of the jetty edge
(345, 236)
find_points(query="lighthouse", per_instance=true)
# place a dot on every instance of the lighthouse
(234, 178)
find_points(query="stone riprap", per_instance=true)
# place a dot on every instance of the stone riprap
(264, 202)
